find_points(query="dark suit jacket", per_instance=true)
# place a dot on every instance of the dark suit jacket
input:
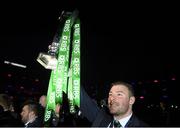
(103, 120)
(101, 117)
(36, 123)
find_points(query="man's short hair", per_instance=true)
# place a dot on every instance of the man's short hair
(33, 106)
(129, 86)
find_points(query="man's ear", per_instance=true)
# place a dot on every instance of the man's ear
(132, 100)
(31, 114)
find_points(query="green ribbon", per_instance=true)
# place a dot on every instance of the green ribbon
(60, 81)
(63, 61)
(74, 72)
(76, 63)
(50, 99)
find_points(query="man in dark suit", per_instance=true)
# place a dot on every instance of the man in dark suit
(30, 114)
(120, 103)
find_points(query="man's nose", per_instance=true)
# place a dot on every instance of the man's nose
(112, 98)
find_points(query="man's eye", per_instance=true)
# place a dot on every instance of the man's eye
(119, 94)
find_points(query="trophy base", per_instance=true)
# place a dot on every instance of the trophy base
(47, 61)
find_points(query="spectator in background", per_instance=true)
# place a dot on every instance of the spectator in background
(5, 102)
(30, 114)
(55, 114)
(42, 101)
(8, 117)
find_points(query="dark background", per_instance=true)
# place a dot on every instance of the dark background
(135, 42)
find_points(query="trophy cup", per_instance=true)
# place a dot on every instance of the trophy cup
(49, 60)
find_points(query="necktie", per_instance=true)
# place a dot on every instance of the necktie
(116, 124)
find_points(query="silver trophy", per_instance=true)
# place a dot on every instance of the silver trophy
(49, 60)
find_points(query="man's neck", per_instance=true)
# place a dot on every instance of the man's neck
(118, 117)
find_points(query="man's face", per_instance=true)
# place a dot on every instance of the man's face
(25, 114)
(119, 100)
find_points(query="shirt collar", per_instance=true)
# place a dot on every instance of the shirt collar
(30, 121)
(124, 121)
